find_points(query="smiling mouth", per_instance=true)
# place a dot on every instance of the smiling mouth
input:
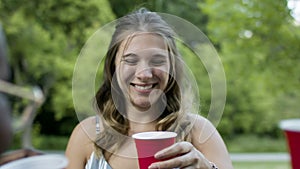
(143, 87)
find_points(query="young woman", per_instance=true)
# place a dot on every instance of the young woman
(142, 91)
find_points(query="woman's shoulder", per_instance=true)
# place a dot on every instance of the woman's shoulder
(197, 119)
(202, 128)
(88, 127)
(81, 143)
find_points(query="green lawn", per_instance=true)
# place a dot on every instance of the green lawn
(253, 143)
(261, 165)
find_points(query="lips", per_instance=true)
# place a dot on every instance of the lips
(143, 87)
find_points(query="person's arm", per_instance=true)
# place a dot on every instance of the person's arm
(18, 154)
(207, 150)
(208, 141)
(80, 146)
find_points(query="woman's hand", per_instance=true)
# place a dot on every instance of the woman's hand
(180, 155)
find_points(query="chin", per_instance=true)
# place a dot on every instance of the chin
(142, 105)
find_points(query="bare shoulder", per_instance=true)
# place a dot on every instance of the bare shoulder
(88, 127)
(202, 129)
(209, 142)
(199, 122)
(81, 143)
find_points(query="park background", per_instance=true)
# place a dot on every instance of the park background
(256, 40)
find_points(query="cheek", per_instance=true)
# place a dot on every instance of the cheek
(125, 74)
(163, 75)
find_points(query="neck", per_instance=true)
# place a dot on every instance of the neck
(143, 119)
(141, 116)
(136, 127)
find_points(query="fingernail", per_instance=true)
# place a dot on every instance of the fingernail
(152, 167)
(158, 155)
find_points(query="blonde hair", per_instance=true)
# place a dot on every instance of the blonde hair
(115, 125)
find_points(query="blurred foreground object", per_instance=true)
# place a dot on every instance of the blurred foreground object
(8, 126)
(5, 73)
(18, 154)
(5, 121)
(291, 128)
(5, 124)
(34, 94)
(24, 123)
(47, 161)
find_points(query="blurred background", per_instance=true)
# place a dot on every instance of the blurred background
(257, 41)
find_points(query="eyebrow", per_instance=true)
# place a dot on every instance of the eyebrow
(156, 54)
(160, 55)
(129, 54)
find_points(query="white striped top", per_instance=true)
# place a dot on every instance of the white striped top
(95, 163)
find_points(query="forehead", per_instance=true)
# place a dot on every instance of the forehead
(142, 41)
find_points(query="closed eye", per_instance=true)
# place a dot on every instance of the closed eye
(130, 59)
(158, 60)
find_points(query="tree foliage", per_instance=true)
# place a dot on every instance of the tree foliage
(182, 8)
(258, 44)
(257, 41)
(44, 39)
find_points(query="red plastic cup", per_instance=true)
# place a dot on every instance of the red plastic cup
(291, 128)
(149, 143)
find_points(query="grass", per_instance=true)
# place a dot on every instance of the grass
(253, 143)
(256, 144)
(261, 165)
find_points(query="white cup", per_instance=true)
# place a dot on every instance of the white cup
(47, 161)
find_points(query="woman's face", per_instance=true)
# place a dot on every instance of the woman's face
(142, 69)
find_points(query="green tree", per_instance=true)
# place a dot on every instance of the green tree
(258, 44)
(181, 8)
(45, 38)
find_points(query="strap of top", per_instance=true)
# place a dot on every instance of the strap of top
(97, 125)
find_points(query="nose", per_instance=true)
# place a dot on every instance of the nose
(144, 73)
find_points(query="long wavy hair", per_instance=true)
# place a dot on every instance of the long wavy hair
(115, 125)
